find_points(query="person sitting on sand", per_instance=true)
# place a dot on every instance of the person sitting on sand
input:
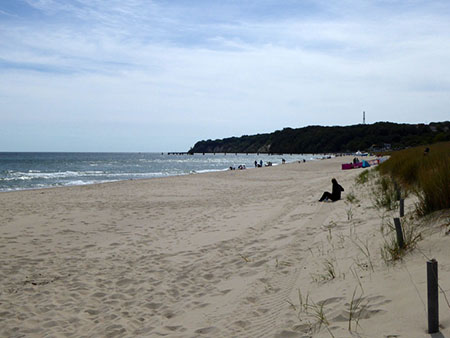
(335, 194)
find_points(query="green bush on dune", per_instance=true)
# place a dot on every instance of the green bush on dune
(426, 174)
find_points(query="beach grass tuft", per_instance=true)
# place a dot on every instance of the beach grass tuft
(312, 313)
(329, 271)
(355, 309)
(391, 251)
(363, 177)
(384, 193)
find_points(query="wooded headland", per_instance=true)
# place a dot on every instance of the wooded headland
(319, 139)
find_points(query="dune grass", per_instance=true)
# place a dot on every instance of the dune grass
(427, 175)
(391, 251)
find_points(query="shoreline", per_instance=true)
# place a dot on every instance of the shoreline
(129, 180)
(43, 170)
(224, 254)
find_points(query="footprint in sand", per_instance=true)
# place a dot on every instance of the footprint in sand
(153, 306)
(363, 308)
(207, 330)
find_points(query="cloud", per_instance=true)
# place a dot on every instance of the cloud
(223, 69)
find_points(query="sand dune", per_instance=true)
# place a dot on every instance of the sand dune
(230, 254)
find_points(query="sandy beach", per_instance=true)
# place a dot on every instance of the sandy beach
(228, 254)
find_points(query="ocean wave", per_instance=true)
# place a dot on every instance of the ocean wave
(68, 174)
(207, 171)
(95, 176)
(80, 182)
(45, 170)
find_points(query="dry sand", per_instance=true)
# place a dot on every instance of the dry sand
(230, 254)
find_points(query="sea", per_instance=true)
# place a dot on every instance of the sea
(35, 170)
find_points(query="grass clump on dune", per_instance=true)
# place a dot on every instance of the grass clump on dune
(363, 177)
(425, 173)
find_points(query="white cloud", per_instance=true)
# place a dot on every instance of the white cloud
(135, 65)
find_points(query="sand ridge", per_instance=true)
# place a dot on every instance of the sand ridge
(216, 255)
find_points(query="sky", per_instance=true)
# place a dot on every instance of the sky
(135, 75)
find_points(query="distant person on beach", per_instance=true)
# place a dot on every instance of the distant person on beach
(335, 192)
(260, 163)
(256, 164)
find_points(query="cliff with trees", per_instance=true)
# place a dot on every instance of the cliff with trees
(319, 139)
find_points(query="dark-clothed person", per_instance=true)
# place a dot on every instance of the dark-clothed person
(335, 192)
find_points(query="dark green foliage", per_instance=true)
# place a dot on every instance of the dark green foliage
(317, 139)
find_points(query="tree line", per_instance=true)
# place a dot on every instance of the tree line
(335, 139)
